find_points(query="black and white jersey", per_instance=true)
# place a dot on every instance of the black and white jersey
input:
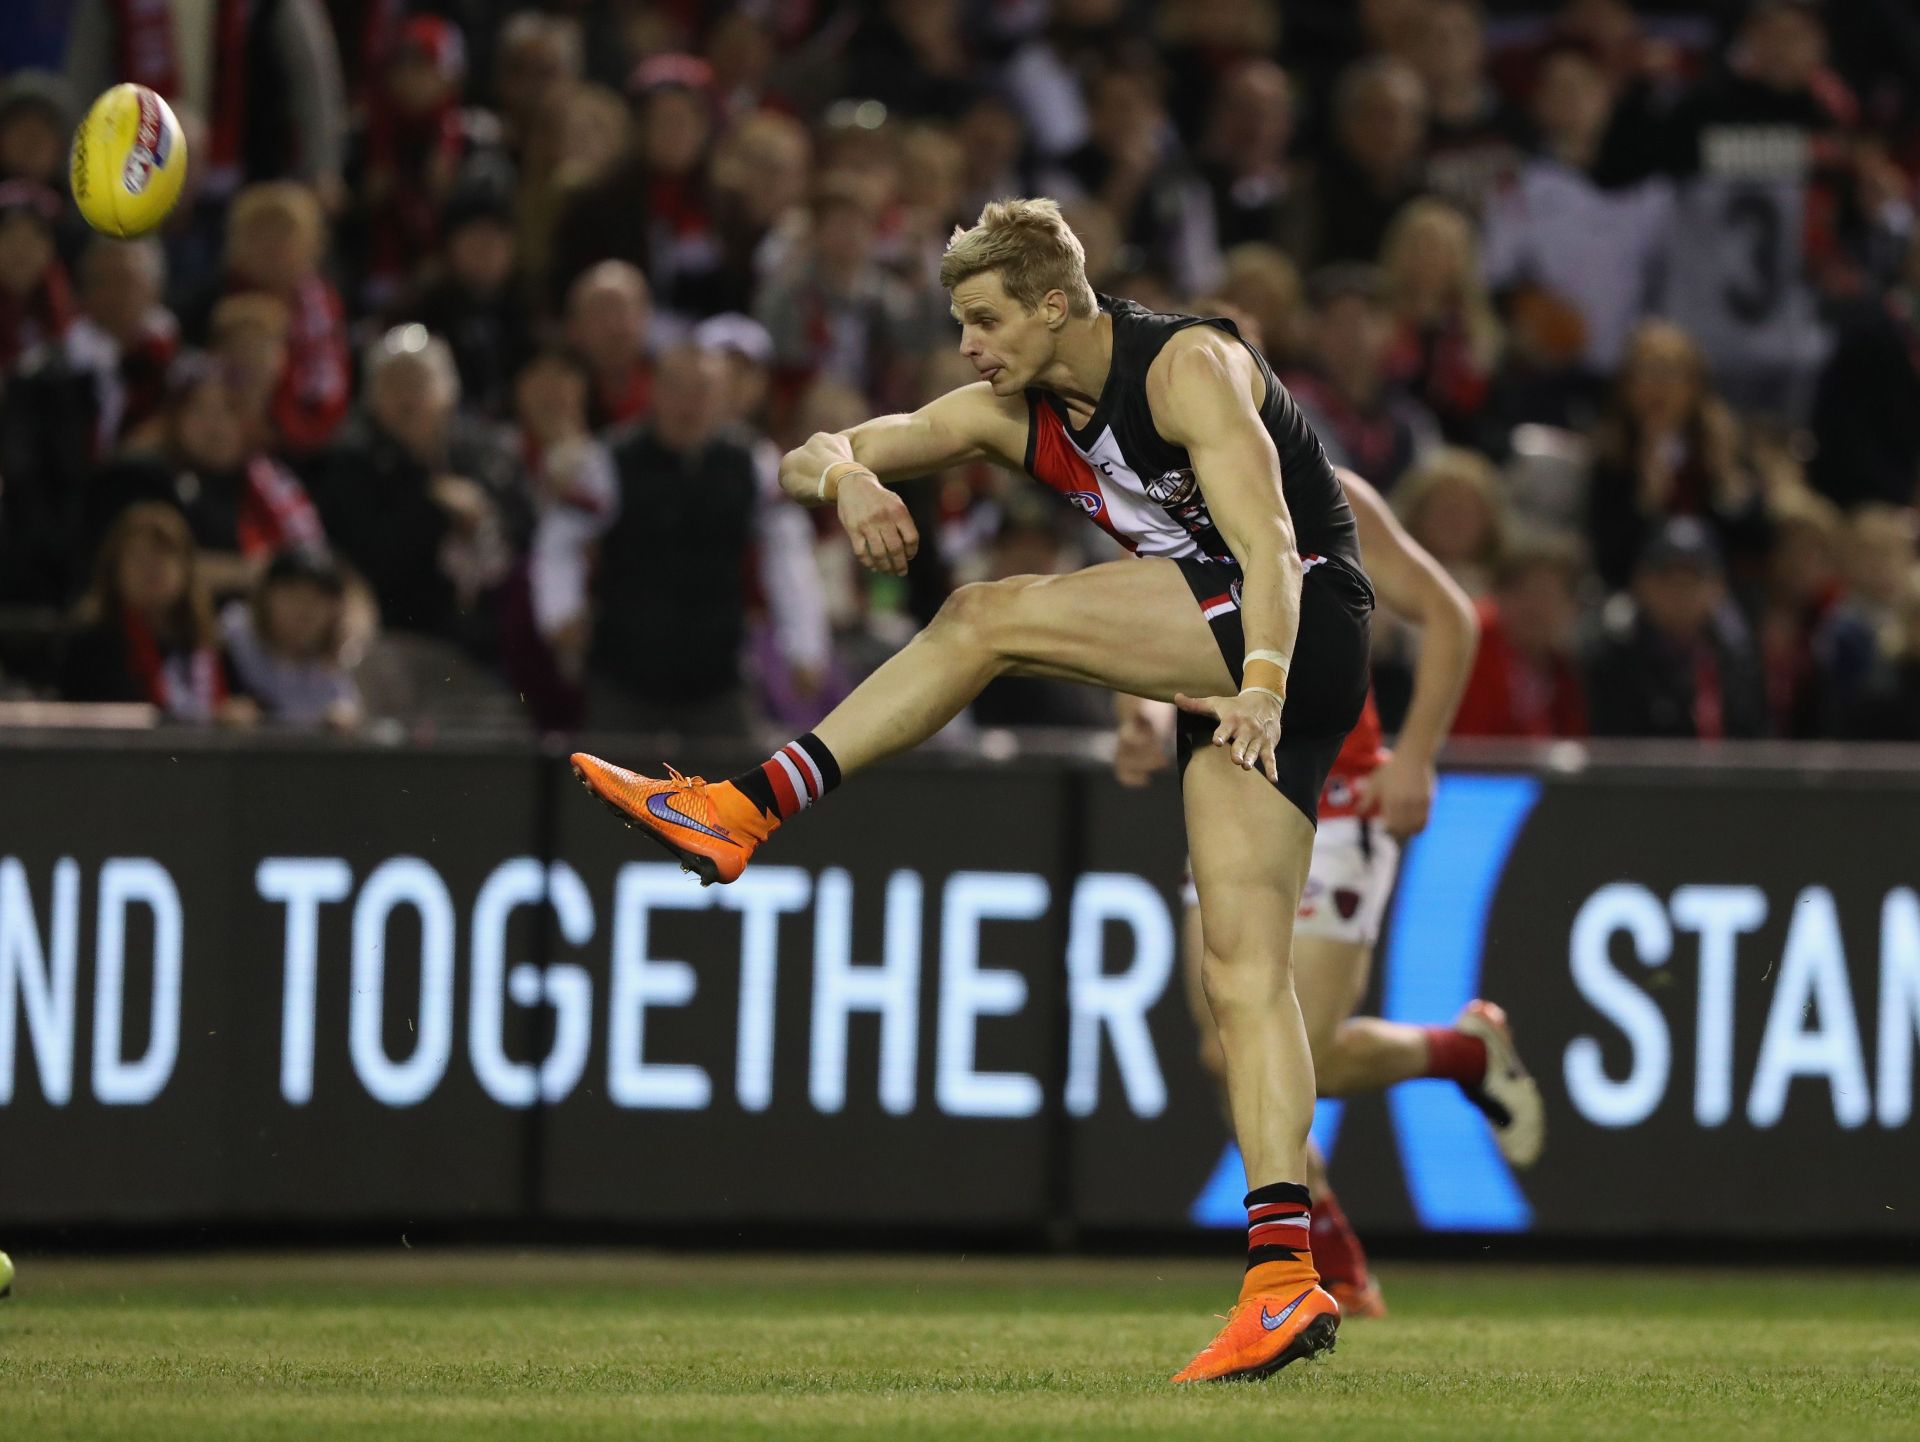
(1140, 488)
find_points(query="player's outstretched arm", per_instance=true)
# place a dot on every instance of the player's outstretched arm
(1413, 584)
(1202, 389)
(849, 469)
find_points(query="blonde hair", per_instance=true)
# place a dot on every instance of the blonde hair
(1032, 248)
(1447, 465)
(283, 200)
(1403, 238)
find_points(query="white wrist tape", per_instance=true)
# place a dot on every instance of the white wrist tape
(1265, 691)
(1272, 658)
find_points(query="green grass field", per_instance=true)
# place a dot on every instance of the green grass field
(483, 1345)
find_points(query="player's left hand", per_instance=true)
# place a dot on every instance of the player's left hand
(1249, 723)
(1400, 793)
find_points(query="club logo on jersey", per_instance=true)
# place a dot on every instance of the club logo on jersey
(1173, 488)
(1087, 501)
(1234, 589)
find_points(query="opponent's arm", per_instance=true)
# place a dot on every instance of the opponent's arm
(1201, 391)
(1413, 584)
(849, 468)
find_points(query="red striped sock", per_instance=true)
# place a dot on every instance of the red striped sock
(1455, 1055)
(792, 779)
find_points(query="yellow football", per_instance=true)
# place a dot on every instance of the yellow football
(129, 160)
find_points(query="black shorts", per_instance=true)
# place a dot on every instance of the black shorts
(1326, 684)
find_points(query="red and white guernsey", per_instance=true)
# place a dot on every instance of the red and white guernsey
(1361, 754)
(1138, 487)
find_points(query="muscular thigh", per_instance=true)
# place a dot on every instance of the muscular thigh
(1249, 847)
(1127, 625)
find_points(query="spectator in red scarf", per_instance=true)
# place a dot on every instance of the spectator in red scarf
(412, 150)
(240, 504)
(147, 629)
(1525, 681)
(608, 314)
(653, 210)
(1446, 341)
(276, 238)
(36, 299)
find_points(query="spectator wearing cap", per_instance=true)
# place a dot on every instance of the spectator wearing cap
(410, 151)
(1526, 678)
(1262, 194)
(477, 297)
(146, 628)
(286, 642)
(1669, 446)
(669, 619)
(423, 503)
(276, 240)
(1675, 659)
(1362, 418)
(1376, 162)
(608, 317)
(791, 637)
(240, 503)
(653, 209)
(36, 297)
(833, 310)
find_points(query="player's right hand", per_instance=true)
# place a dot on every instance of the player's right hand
(883, 534)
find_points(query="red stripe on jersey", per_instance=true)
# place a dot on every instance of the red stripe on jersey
(1057, 465)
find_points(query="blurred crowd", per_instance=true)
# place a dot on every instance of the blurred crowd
(454, 390)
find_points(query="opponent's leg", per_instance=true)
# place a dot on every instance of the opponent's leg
(1127, 625)
(1250, 848)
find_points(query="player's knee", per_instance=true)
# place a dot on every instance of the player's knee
(1239, 980)
(981, 613)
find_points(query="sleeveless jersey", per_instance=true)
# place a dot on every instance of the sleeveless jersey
(1140, 488)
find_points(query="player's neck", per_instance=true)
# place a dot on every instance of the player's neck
(1078, 371)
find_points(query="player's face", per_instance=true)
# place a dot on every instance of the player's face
(1006, 343)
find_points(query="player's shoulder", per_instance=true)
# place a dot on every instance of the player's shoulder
(1199, 369)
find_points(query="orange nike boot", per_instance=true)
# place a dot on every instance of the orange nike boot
(711, 830)
(1263, 1334)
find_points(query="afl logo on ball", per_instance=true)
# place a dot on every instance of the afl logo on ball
(149, 150)
(1088, 501)
(1172, 488)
